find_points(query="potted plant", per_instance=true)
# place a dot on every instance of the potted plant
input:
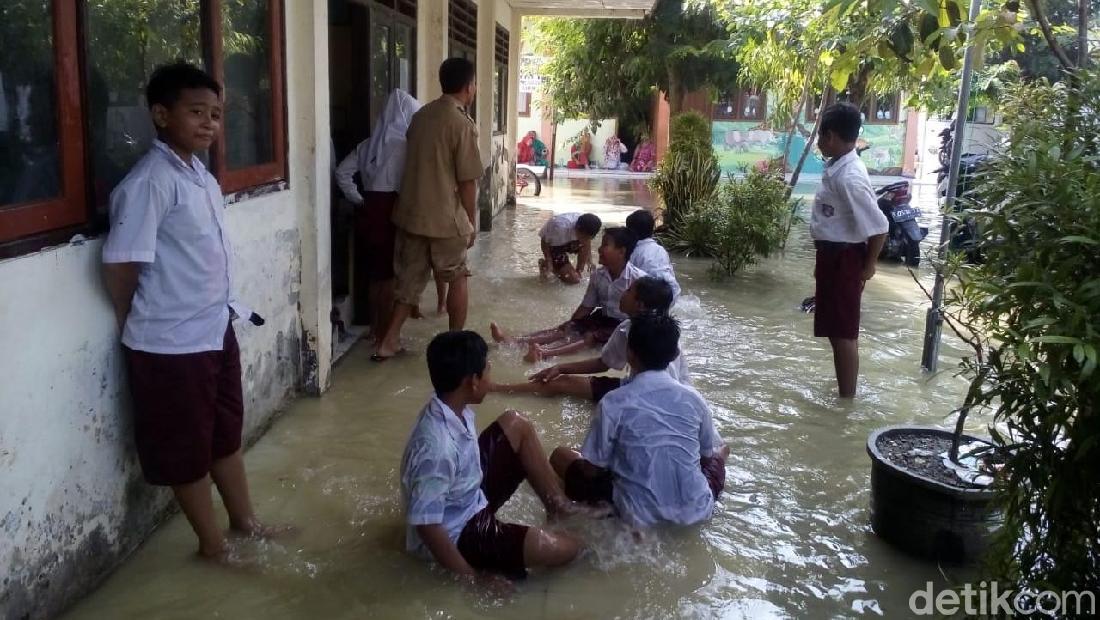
(1031, 313)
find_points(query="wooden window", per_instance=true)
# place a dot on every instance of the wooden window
(67, 138)
(876, 109)
(742, 104)
(462, 33)
(500, 80)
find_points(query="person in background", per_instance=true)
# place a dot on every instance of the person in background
(650, 256)
(166, 266)
(380, 163)
(647, 295)
(848, 230)
(565, 234)
(598, 314)
(436, 213)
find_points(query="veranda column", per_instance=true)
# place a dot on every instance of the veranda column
(431, 47)
(512, 113)
(486, 39)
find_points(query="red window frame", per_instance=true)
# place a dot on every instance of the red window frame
(70, 207)
(26, 227)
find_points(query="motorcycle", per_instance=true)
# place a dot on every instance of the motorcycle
(964, 232)
(905, 233)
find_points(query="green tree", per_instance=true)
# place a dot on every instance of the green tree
(602, 68)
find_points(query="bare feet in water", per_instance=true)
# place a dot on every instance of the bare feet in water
(415, 313)
(565, 507)
(534, 354)
(499, 335)
(255, 529)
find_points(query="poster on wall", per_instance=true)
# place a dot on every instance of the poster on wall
(530, 73)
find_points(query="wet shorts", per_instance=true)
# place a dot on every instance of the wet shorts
(585, 482)
(416, 257)
(486, 542)
(375, 236)
(188, 410)
(559, 254)
(598, 324)
(838, 272)
(602, 385)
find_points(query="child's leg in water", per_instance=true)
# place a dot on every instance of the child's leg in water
(440, 296)
(540, 337)
(571, 343)
(562, 385)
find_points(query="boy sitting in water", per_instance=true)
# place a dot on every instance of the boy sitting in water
(646, 295)
(652, 450)
(565, 234)
(454, 481)
(648, 255)
(599, 313)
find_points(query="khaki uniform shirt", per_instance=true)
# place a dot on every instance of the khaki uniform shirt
(441, 153)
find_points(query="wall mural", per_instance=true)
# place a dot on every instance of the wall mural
(746, 143)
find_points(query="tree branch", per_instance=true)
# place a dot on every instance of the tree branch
(1082, 33)
(1048, 34)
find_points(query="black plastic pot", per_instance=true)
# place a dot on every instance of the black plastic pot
(925, 517)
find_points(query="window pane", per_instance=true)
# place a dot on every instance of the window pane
(379, 70)
(29, 152)
(246, 49)
(403, 50)
(125, 42)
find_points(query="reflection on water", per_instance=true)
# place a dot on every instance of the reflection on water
(790, 538)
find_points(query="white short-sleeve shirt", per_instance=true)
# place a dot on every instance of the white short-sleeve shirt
(441, 473)
(652, 258)
(614, 355)
(605, 292)
(168, 215)
(560, 229)
(845, 206)
(651, 434)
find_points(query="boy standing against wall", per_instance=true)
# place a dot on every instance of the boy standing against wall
(166, 263)
(848, 230)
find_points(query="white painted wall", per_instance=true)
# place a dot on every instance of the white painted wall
(72, 502)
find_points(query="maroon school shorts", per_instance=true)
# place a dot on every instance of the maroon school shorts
(602, 385)
(598, 324)
(486, 542)
(838, 272)
(188, 410)
(559, 254)
(374, 235)
(585, 482)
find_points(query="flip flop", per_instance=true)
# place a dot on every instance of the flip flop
(378, 359)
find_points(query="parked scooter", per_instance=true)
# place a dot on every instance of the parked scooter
(905, 233)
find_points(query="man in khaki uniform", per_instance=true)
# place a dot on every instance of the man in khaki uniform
(436, 209)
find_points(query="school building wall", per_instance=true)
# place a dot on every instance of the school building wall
(74, 504)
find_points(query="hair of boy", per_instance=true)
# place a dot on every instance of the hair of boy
(589, 224)
(654, 293)
(453, 356)
(844, 120)
(654, 339)
(169, 81)
(456, 74)
(622, 237)
(641, 223)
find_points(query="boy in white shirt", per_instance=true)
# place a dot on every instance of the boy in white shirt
(648, 255)
(596, 318)
(648, 294)
(848, 230)
(167, 269)
(565, 234)
(652, 450)
(453, 481)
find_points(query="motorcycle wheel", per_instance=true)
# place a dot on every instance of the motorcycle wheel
(526, 179)
(912, 253)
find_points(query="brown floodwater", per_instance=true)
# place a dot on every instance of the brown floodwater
(790, 537)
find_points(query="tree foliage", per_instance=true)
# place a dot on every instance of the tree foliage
(604, 68)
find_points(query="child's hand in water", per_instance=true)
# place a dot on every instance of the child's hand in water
(495, 585)
(546, 375)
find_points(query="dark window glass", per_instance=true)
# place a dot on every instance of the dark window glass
(404, 47)
(30, 168)
(125, 42)
(246, 49)
(380, 77)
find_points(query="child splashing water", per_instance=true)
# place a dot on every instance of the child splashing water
(598, 314)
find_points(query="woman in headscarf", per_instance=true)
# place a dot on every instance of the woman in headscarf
(380, 163)
(613, 151)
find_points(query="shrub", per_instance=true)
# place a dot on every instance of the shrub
(1031, 312)
(689, 172)
(745, 219)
